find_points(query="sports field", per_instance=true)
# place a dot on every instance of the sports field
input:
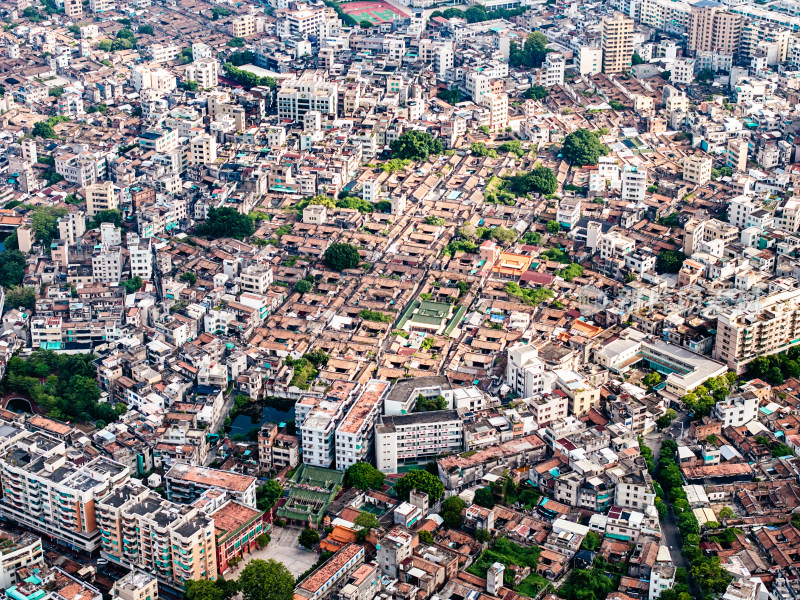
(375, 11)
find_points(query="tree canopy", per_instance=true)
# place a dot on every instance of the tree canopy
(415, 145)
(531, 54)
(266, 580)
(451, 512)
(267, 494)
(540, 180)
(669, 261)
(341, 256)
(422, 481)
(12, 267)
(226, 222)
(484, 497)
(308, 538)
(583, 147)
(364, 476)
(535, 92)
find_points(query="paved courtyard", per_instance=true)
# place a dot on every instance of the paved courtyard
(283, 548)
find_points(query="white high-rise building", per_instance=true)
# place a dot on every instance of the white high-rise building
(355, 434)
(204, 72)
(634, 183)
(525, 370)
(204, 150)
(299, 95)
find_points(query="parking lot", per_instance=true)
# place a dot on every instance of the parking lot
(283, 548)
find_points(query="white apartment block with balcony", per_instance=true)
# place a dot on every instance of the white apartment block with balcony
(768, 326)
(45, 491)
(737, 410)
(107, 265)
(141, 257)
(308, 92)
(417, 438)
(204, 72)
(525, 371)
(355, 434)
(318, 433)
(256, 279)
(697, 169)
(634, 183)
(615, 245)
(568, 212)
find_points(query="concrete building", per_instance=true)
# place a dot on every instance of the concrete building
(765, 327)
(136, 585)
(714, 29)
(203, 150)
(46, 492)
(142, 531)
(634, 183)
(19, 551)
(697, 169)
(185, 483)
(416, 438)
(256, 279)
(583, 396)
(590, 60)
(101, 196)
(242, 26)
(737, 150)
(355, 434)
(617, 44)
(737, 410)
(568, 212)
(204, 72)
(395, 547)
(308, 92)
(524, 371)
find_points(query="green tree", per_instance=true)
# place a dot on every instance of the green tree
(476, 14)
(591, 541)
(503, 235)
(202, 589)
(553, 226)
(45, 130)
(451, 96)
(365, 521)
(45, 223)
(484, 497)
(540, 180)
(415, 145)
(669, 261)
(108, 216)
(267, 494)
(365, 24)
(266, 580)
(236, 42)
(451, 512)
(651, 380)
(636, 59)
(132, 285)
(582, 147)
(303, 286)
(12, 267)
(56, 91)
(587, 584)
(308, 538)
(726, 512)
(190, 86)
(483, 535)
(188, 277)
(146, 29)
(421, 481)
(340, 257)
(364, 476)
(226, 222)
(21, 297)
(426, 537)
(531, 54)
(535, 92)
(512, 147)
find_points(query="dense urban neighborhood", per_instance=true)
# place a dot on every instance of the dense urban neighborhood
(399, 300)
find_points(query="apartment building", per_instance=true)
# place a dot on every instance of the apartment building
(737, 151)
(548, 408)
(203, 150)
(45, 491)
(787, 215)
(101, 196)
(355, 434)
(107, 265)
(590, 60)
(72, 226)
(767, 326)
(328, 579)
(141, 530)
(583, 396)
(242, 26)
(256, 279)
(617, 43)
(136, 585)
(162, 53)
(697, 169)
(757, 34)
(714, 29)
(416, 438)
(497, 105)
(310, 91)
(667, 15)
(568, 212)
(737, 410)
(141, 258)
(302, 22)
(204, 72)
(396, 546)
(524, 371)
(73, 9)
(634, 183)
(19, 551)
(186, 483)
